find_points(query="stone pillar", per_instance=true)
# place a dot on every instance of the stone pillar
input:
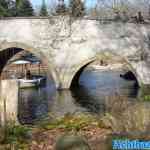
(9, 101)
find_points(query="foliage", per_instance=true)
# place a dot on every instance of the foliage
(16, 133)
(63, 132)
(24, 8)
(109, 8)
(10, 8)
(70, 122)
(77, 8)
(4, 8)
(16, 137)
(61, 8)
(43, 11)
(147, 97)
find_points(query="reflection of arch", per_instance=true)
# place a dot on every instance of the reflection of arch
(20, 46)
(85, 98)
(75, 74)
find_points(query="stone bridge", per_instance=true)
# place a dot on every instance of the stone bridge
(67, 46)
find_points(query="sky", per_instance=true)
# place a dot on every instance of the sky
(38, 2)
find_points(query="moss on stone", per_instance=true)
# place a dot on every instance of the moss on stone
(72, 142)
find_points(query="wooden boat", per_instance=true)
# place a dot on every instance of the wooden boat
(29, 81)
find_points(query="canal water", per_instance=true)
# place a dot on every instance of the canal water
(95, 87)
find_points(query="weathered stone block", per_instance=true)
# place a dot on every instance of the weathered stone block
(9, 102)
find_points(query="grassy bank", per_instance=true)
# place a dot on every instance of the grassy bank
(14, 137)
(124, 117)
(46, 134)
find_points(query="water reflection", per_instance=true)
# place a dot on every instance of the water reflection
(33, 104)
(95, 86)
(127, 117)
(85, 99)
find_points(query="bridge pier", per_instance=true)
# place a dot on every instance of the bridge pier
(9, 102)
(65, 82)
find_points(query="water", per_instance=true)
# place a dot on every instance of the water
(90, 96)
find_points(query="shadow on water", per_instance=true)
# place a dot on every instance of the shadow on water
(84, 98)
(32, 105)
(90, 96)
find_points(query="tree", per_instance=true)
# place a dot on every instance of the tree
(141, 6)
(61, 8)
(149, 10)
(24, 8)
(43, 11)
(130, 7)
(52, 7)
(4, 8)
(76, 8)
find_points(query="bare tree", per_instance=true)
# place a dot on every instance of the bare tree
(142, 6)
(77, 8)
(120, 8)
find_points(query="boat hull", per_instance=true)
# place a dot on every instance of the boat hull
(30, 83)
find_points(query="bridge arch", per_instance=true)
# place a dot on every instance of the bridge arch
(78, 69)
(21, 46)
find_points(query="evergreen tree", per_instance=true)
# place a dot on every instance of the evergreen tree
(61, 8)
(43, 11)
(4, 8)
(18, 3)
(76, 8)
(12, 8)
(24, 8)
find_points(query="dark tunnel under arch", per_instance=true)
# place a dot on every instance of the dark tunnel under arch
(75, 78)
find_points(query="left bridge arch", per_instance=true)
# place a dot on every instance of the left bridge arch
(9, 47)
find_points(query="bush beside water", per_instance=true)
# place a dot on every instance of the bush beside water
(15, 137)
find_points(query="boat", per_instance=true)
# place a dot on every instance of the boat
(108, 67)
(37, 81)
(29, 81)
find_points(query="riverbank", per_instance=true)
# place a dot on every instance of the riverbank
(45, 135)
(95, 136)
(124, 119)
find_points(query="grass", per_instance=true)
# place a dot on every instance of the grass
(70, 122)
(146, 98)
(15, 137)
(19, 137)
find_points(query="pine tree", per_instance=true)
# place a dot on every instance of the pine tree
(24, 8)
(4, 8)
(18, 3)
(61, 8)
(12, 8)
(76, 8)
(43, 11)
